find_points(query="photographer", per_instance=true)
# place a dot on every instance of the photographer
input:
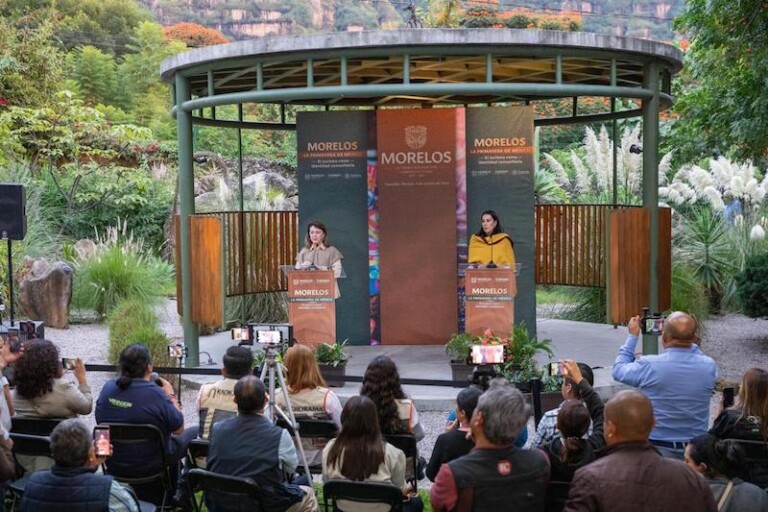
(679, 382)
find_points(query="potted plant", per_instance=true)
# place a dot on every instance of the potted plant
(332, 361)
(459, 349)
(521, 351)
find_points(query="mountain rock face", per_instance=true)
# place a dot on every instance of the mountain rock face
(245, 19)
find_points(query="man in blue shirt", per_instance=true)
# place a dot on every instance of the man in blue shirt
(679, 382)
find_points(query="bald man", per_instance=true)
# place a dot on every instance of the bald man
(679, 381)
(631, 475)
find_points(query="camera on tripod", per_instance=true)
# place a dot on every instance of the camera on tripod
(267, 335)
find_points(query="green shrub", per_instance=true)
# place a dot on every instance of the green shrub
(752, 287)
(270, 307)
(134, 321)
(687, 293)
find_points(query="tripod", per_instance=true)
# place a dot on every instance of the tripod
(274, 370)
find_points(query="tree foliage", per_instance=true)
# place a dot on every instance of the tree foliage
(725, 105)
(752, 285)
(194, 35)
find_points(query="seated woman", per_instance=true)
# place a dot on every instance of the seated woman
(309, 396)
(720, 462)
(41, 389)
(748, 418)
(397, 414)
(360, 453)
(453, 443)
(570, 450)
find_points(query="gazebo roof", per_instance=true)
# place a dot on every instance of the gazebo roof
(424, 66)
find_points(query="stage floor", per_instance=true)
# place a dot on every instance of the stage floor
(594, 344)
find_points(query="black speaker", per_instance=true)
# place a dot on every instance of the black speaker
(13, 211)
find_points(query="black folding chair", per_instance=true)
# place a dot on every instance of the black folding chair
(756, 453)
(310, 428)
(364, 492)
(34, 426)
(31, 446)
(126, 437)
(230, 493)
(407, 443)
(197, 450)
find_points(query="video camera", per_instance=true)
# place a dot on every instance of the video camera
(652, 323)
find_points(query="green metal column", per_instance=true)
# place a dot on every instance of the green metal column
(651, 81)
(186, 208)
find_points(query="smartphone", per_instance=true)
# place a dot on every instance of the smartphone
(67, 363)
(101, 440)
(487, 354)
(556, 368)
(728, 397)
(15, 343)
(176, 351)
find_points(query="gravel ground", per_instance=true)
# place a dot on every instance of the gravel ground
(734, 341)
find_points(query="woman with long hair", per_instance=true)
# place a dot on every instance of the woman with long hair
(491, 244)
(396, 412)
(309, 395)
(359, 453)
(748, 418)
(318, 252)
(721, 462)
(41, 389)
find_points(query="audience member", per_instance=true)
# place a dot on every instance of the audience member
(133, 398)
(309, 397)
(495, 474)
(454, 443)
(570, 451)
(41, 389)
(7, 461)
(679, 382)
(360, 453)
(721, 462)
(251, 446)
(397, 414)
(6, 402)
(72, 484)
(748, 418)
(547, 431)
(215, 402)
(631, 475)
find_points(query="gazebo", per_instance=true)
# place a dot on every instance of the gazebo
(433, 68)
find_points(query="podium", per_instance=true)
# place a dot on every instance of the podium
(490, 299)
(312, 304)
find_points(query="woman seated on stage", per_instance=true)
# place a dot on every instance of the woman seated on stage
(397, 414)
(491, 244)
(317, 252)
(359, 453)
(309, 396)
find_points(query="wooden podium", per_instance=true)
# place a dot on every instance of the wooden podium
(490, 300)
(312, 305)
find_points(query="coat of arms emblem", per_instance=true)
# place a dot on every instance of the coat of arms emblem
(415, 136)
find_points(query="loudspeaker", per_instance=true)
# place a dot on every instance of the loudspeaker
(13, 211)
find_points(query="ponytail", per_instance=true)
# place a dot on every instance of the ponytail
(133, 364)
(571, 447)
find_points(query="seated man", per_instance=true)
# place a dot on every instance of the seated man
(72, 483)
(495, 474)
(250, 446)
(679, 382)
(215, 402)
(547, 431)
(631, 474)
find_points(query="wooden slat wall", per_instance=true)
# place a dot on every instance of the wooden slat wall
(570, 244)
(206, 244)
(629, 257)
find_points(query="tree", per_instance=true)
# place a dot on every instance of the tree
(725, 107)
(752, 285)
(95, 73)
(194, 35)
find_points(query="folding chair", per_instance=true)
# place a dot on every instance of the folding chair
(34, 426)
(310, 428)
(197, 450)
(124, 438)
(407, 443)
(364, 492)
(31, 446)
(228, 493)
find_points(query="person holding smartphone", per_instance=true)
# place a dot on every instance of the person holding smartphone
(72, 482)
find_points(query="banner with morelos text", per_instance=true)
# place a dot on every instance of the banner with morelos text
(311, 305)
(417, 224)
(490, 295)
(500, 178)
(333, 189)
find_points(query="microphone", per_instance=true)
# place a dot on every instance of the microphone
(491, 264)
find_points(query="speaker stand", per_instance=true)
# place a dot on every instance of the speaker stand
(10, 278)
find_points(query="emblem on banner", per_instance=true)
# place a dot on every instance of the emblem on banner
(416, 136)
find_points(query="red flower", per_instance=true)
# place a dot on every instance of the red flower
(3, 102)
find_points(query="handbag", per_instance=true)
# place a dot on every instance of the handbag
(725, 496)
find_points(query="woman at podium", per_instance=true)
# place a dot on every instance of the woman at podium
(491, 244)
(317, 252)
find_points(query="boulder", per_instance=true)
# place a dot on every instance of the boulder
(45, 290)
